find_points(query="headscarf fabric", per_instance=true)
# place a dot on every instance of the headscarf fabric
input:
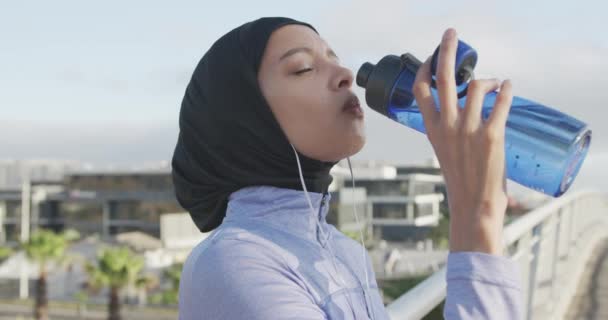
(229, 137)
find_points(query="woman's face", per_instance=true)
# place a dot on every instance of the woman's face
(307, 89)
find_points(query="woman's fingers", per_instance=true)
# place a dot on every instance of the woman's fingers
(446, 82)
(476, 93)
(424, 97)
(498, 118)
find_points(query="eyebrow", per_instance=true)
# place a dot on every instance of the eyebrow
(293, 51)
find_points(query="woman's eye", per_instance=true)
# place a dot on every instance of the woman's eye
(302, 71)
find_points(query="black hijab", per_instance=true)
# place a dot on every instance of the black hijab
(229, 137)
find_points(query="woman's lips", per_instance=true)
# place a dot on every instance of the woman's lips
(353, 107)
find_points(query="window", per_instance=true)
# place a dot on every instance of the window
(389, 211)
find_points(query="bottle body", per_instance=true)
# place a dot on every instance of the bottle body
(544, 147)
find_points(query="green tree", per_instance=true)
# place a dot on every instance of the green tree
(115, 269)
(82, 298)
(393, 289)
(5, 252)
(356, 235)
(440, 233)
(43, 247)
(172, 274)
(144, 284)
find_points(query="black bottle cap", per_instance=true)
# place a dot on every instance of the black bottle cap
(363, 74)
(378, 80)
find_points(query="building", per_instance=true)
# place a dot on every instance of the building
(107, 203)
(391, 202)
(10, 213)
(14, 172)
(394, 203)
(349, 212)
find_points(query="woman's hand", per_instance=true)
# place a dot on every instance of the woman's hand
(471, 152)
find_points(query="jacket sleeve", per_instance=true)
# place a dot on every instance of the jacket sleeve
(482, 286)
(236, 279)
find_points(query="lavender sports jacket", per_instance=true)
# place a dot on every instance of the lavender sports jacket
(269, 260)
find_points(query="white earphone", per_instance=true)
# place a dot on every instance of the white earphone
(323, 232)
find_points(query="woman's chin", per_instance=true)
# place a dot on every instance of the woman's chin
(356, 148)
(350, 149)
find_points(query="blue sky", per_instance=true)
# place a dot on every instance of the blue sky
(95, 81)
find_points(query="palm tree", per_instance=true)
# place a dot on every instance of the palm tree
(170, 295)
(115, 269)
(46, 246)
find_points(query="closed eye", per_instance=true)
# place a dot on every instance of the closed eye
(302, 71)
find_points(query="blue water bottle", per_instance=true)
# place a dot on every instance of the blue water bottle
(545, 148)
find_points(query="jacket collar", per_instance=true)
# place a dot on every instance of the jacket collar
(286, 209)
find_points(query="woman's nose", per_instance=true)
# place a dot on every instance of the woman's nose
(343, 79)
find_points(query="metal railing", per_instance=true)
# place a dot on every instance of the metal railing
(551, 244)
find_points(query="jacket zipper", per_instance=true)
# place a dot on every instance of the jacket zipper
(365, 294)
(319, 215)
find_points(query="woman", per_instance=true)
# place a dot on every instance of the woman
(268, 111)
